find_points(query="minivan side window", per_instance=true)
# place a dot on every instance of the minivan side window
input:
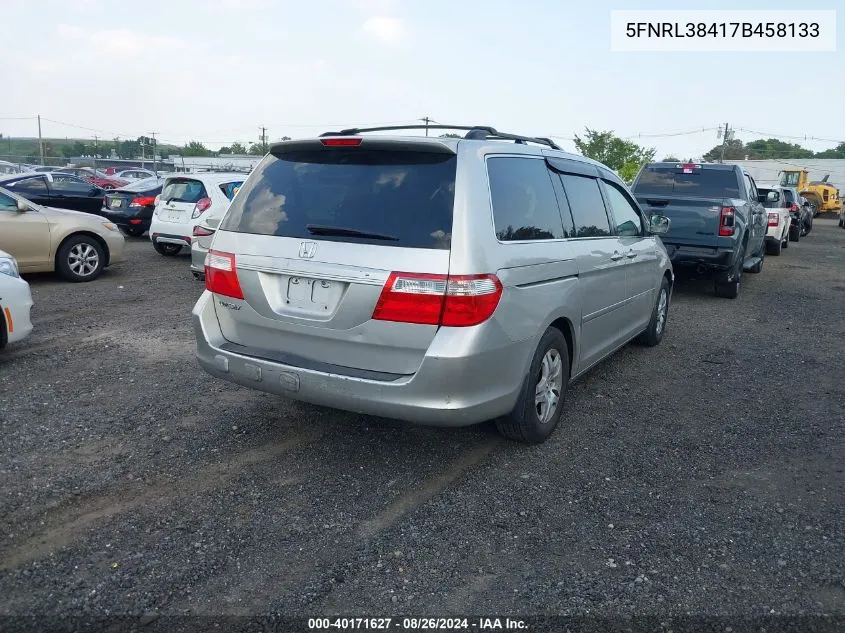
(626, 215)
(587, 206)
(524, 201)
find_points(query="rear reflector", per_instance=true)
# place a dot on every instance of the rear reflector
(453, 301)
(221, 276)
(773, 219)
(727, 221)
(201, 231)
(341, 142)
(135, 221)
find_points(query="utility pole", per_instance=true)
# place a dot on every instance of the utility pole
(427, 120)
(96, 149)
(143, 157)
(727, 133)
(263, 138)
(155, 149)
(40, 140)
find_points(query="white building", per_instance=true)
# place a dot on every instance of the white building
(766, 172)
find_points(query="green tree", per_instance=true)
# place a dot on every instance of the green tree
(195, 148)
(238, 148)
(836, 152)
(775, 148)
(624, 157)
(450, 135)
(256, 149)
(734, 150)
(670, 159)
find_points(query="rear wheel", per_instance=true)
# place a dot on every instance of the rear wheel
(198, 276)
(168, 250)
(795, 234)
(540, 404)
(80, 258)
(773, 248)
(729, 288)
(657, 326)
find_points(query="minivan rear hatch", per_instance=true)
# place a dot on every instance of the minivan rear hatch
(316, 232)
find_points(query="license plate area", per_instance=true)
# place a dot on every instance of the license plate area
(312, 295)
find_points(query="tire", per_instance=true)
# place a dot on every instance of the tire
(841, 224)
(785, 242)
(80, 258)
(168, 250)
(198, 276)
(657, 326)
(774, 248)
(523, 423)
(795, 234)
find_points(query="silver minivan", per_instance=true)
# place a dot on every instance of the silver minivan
(444, 281)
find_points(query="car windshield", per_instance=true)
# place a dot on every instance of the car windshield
(705, 183)
(143, 185)
(366, 196)
(183, 190)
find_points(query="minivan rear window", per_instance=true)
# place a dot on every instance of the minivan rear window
(706, 183)
(183, 190)
(394, 198)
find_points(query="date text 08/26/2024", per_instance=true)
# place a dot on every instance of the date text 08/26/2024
(416, 624)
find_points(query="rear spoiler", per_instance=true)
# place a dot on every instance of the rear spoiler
(425, 144)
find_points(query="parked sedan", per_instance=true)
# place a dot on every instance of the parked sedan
(15, 302)
(94, 177)
(133, 175)
(79, 246)
(57, 190)
(132, 206)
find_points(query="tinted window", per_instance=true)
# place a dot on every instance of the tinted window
(626, 215)
(229, 189)
(147, 184)
(183, 190)
(587, 206)
(401, 198)
(707, 183)
(524, 201)
(7, 203)
(30, 186)
(788, 196)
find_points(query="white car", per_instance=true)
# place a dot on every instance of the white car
(15, 302)
(779, 219)
(184, 202)
(134, 174)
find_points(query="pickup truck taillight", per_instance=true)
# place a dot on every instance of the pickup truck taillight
(727, 221)
(773, 219)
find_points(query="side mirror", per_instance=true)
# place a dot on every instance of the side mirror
(772, 196)
(659, 225)
(23, 207)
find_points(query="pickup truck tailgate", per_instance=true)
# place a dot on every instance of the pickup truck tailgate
(694, 221)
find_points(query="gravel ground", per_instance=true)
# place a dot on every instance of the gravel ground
(702, 477)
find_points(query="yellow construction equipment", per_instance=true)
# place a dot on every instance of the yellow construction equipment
(819, 192)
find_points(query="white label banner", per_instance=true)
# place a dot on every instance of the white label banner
(710, 30)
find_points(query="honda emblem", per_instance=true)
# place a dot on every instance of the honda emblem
(307, 249)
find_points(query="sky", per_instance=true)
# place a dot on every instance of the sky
(217, 70)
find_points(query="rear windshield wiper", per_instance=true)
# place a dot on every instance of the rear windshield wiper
(321, 229)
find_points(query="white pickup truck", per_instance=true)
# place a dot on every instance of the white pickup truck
(779, 219)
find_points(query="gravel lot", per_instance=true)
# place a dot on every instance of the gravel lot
(704, 476)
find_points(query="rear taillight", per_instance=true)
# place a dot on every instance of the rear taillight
(727, 221)
(221, 276)
(105, 202)
(201, 207)
(201, 231)
(142, 201)
(793, 207)
(157, 200)
(773, 219)
(449, 300)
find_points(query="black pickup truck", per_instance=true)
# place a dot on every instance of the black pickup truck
(718, 223)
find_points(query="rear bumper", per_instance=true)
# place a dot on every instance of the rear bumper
(171, 232)
(700, 257)
(15, 310)
(128, 220)
(445, 391)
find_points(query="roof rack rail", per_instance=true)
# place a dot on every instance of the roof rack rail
(474, 132)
